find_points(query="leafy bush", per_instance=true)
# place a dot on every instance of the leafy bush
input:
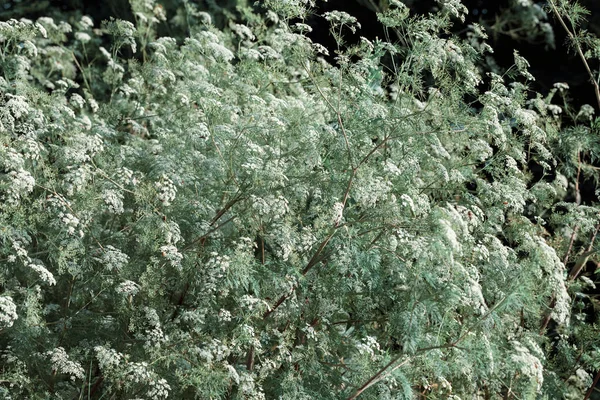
(227, 215)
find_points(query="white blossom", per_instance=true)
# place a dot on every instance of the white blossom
(586, 111)
(86, 22)
(224, 315)
(220, 52)
(17, 105)
(82, 148)
(8, 312)
(114, 200)
(158, 389)
(62, 364)
(45, 275)
(113, 258)
(21, 183)
(108, 359)
(172, 255)
(70, 221)
(528, 364)
(166, 190)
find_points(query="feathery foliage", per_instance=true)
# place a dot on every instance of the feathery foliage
(228, 215)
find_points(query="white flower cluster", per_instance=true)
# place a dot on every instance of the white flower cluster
(270, 205)
(526, 117)
(215, 350)
(137, 372)
(76, 179)
(129, 288)
(31, 149)
(17, 105)
(310, 332)
(337, 18)
(8, 312)
(481, 150)
(114, 200)
(166, 190)
(45, 275)
(82, 148)
(126, 177)
(371, 189)
(83, 37)
(220, 52)
(338, 213)
(219, 263)
(369, 346)
(113, 258)
(581, 379)
(172, 255)
(307, 239)
(62, 365)
(77, 101)
(158, 389)
(250, 54)
(529, 365)
(71, 222)
(243, 32)
(449, 235)
(108, 359)
(21, 183)
(172, 232)
(522, 66)
(586, 112)
(455, 8)
(224, 315)
(153, 334)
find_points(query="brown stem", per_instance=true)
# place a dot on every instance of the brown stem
(250, 359)
(591, 390)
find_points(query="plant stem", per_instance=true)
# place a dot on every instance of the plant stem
(578, 48)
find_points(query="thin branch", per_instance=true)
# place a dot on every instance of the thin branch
(582, 260)
(573, 274)
(382, 373)
(317, 256)
(204, 236)
(338, 115)
(578, 48)
(591, 390)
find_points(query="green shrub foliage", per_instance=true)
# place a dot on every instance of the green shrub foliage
(229, 216)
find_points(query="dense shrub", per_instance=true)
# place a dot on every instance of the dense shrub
(227, 215)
